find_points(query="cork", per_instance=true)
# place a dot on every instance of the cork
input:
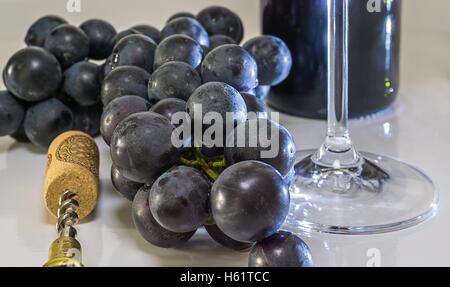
(72, 164)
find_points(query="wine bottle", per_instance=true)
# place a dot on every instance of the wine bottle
(374, 53)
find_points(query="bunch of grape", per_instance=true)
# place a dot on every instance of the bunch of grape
(238, 196)
(53, 85)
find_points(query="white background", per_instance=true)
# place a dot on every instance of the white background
(417, 130)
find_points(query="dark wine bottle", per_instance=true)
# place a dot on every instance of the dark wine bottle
(374, 50)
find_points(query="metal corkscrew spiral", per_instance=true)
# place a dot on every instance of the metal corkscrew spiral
(67, 214)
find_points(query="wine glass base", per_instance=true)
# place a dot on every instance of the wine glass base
(383, 195)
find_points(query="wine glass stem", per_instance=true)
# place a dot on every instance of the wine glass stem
(337, 151)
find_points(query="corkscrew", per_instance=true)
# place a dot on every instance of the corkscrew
(70, 192)
(67, 214)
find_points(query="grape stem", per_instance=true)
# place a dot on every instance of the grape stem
(203, 163)
(219, 163)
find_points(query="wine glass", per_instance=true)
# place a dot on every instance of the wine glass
(337, 189)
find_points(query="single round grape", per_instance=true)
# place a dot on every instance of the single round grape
(100, 34)
(127, 188)
(255, 105)
(178, 48)
(220, 98)
(122, 34)
(186, 26)
(117, 110)
(221, 20)
(179, 15)
(226, 241)
(219, 40)
(280, 153)
(173, 80)
(11, 114)
(32, 74)
(168, 107)
(81, 82)
(41, 28)
(149, 31)
(179, 199)
(273, 58)
(141, 146)
(46, 120)
(87, 119)
(249, 201)
(230, 64)
(147, 226)
(134, 50)
(125, 80)
(68, 43)
(283, 249)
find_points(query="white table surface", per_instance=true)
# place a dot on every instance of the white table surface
(417, 130)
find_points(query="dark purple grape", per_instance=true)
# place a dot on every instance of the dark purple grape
(41, 28)
(147, 226)
(122, 34)
(168, 107)
(178, 48)
(226, 241)
(46, 120)
(87, 119)
(173, 80)
(283, 249)
(125, 80)
(220, 98)
(127, 188)
(149, 31)
(219, 40)
(141, 146)
(117, 110)
(32, 74)
(220, 20)
(11, 114)
(68, 43)
(100, 34)
(134, 50)
(179, 15)
(255, 105)
(280, 153)
(249, 201)
(186, 26)
(82, 83)
(230, 64)
(179, 199)
(273, 58)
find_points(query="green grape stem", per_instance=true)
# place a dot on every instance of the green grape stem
(203, 163)
(207, 165)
